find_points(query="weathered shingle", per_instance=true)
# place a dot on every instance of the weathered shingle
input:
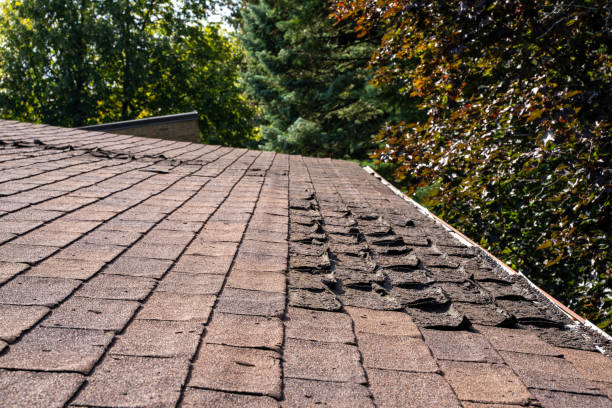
(136, 272)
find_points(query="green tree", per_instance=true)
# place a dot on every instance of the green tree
(200, 70)
(79, 62)
(310, 79)
(47, 70)
(517, 98)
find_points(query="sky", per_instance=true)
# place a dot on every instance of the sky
(218, 16)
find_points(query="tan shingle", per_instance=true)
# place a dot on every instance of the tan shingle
(230, 277)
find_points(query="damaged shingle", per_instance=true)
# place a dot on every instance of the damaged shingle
(368, 299)
(323, 300)
(282, 265)
(398, 263)
(507, 291)
(357, 279)
(309, 263)
(529, 313)
(464, 292)
(442, 317)
(488, 314)
(423, 296)
(305, 280)
(303, 205)
(447, 275)
(403, 278)
(310, 249)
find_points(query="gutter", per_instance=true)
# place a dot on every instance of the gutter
(468, 242)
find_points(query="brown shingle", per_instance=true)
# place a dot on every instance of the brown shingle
(261, 262)
(383, 322)
(163, 236)
(191, 284)
(606, 388)
(460, 346)
(552, 399)
(134, 381)
(155, 251)
(27, 389)
(245, 331)
(318, 325)
(18, 227)
(66, 268)
(109, 237)
(592, 365)
(322, 361)
(25, 253)
(87, 215)
(309, 393)
(87, 313)
(251, 302)
(197, 398)
(244, 370)
(146, 267)
(57, 349)
(159, 338)
(128, 225)
(395, 353)
(10, 269)
(207, 248)
(28, 290)
(396, 389)
(262, 281)
(174, 225)
(218, 265)
(32, 214)
(71, 226)
(16, 319)
(90, 252)
(47, 238)
(142, 251)
(176, 306)
(547, 372)
(485, 382)
(105, 286)
(522, 341)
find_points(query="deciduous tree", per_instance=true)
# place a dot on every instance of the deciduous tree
(80, 62)
(517, 133)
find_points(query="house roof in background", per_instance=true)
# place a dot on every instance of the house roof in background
(141, 273)
(154, 120)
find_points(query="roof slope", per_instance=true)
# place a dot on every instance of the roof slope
(153, 273)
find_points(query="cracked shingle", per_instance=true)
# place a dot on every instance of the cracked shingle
(244, 370)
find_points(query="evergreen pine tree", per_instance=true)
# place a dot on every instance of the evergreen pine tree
(310, 79)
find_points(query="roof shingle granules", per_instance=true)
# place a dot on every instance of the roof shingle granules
(141, 273)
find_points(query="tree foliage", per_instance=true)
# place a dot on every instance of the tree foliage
(517, 97)
(79, 62)
(310, 79)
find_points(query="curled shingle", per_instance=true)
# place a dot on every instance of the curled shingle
(324, 300)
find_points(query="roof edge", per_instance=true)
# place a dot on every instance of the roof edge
(467, 241)
(179, 117)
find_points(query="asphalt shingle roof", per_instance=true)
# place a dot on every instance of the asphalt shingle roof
(141, 273)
